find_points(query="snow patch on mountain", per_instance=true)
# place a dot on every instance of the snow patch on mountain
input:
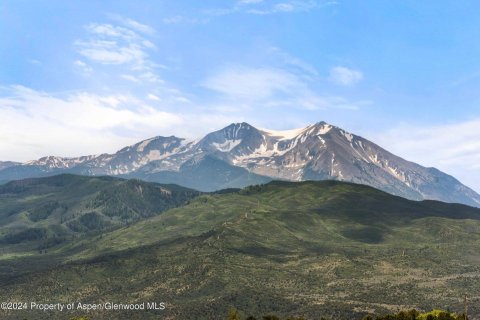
(53, 162)
(347, 135)
(143, 144)
(325, 129)
(226, 146)
(316, 152)
(284, 134)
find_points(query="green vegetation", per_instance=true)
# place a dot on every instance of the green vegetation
(49, 211)
(402, 315)
(416, 315)
(339, 250)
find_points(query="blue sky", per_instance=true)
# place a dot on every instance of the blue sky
(86, 77)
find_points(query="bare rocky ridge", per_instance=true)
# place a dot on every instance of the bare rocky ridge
(240, 154)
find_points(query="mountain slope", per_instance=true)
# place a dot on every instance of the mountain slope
(309, 249)
(246, 155)
(124, 161)
(46, 211)
(6, 164)
(206, 173)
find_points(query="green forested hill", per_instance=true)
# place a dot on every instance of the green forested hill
(43, 212)
(311, 249)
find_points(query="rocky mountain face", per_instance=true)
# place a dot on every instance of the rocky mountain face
(240, 155)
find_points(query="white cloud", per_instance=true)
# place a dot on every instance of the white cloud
(34, 124)
(132, 24)
(153, 97)
(182, 100)
(270, 87)
(79, 63)
(123, 46)
(151, 77)
(345, 76)
(82, 67)
(285, 7)
(121, 55)
(137, 26)
(107, 52)
(453, 148)
(109, 30)
(130, 77)
(251, 83)
(261, 7)
(112, 45)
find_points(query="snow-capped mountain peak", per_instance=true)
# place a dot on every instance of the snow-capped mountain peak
(241, 154)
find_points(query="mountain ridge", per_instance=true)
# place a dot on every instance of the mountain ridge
(316, 152)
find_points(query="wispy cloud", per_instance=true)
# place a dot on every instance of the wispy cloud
(306, 69)
(252, 83)
(82, 67)
(262, 7)
(345, 76)
(35, 123)
(78, 121)
(285, 7)
(270, 87)
(140, 27)
(153, 97)
(110, 44)
(251, 7)
(130, 77)
(124, 45)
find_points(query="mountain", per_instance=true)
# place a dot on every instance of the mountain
(310, 249)
(6, 164)
(240, 155)
(46, 211)
(204, 173)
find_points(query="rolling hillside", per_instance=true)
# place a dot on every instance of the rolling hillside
(43, 212)
(327, 248)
